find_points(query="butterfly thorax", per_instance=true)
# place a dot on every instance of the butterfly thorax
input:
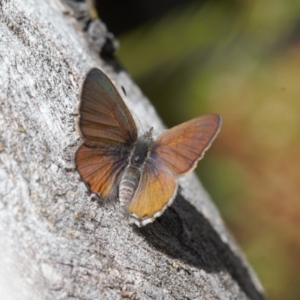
(132, 174)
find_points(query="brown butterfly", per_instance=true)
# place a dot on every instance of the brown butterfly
(143, 170)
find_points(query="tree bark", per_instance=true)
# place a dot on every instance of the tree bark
(56, 241)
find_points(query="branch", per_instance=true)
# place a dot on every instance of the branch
(55, 241)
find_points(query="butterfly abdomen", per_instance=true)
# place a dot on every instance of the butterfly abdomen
(128, 185)
(131, 177)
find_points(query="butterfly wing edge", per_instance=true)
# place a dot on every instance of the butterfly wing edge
(193, 167)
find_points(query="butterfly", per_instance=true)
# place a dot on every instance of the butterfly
(144, 171)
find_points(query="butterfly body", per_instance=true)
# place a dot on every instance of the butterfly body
(128, 184)
(132, 174)
(145, 170)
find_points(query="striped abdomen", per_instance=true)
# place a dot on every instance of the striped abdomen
(128, 185)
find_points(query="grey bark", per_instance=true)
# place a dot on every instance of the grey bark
(56, 241)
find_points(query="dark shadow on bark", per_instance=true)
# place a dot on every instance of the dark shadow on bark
(185, 234)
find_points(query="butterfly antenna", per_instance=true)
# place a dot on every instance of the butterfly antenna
(132, 109)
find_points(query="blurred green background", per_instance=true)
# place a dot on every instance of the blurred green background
(240, 59)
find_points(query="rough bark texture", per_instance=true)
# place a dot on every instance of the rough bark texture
(55, 241)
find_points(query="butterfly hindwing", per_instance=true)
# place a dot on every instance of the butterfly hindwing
(156, 190)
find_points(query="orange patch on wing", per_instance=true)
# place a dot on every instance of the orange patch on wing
(156, 190)
(97, 170)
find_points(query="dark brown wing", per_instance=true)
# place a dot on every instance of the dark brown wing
(180, 147)
(108, 131)
(104, 117)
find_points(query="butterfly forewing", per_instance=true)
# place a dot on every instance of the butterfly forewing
(104, 117)
(108, 131)
(180, 147)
